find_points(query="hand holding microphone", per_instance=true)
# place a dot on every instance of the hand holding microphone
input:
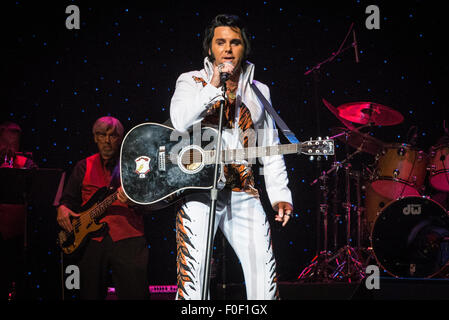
(222, 72)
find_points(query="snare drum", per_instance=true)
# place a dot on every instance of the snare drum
(439, 167)
(401, 171)
(410, 238)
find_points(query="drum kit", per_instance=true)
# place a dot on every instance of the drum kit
(398, 227)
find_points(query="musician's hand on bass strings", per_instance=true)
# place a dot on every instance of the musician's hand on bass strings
(121, 196)
(63, 218)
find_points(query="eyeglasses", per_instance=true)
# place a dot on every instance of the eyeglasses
(102, 136)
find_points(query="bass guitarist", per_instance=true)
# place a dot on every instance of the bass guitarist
(122, 246)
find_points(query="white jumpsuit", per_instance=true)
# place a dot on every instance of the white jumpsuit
(239, 215)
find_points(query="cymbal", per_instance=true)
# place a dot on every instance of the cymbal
(334, 110)
(358, 140)
(369, 112)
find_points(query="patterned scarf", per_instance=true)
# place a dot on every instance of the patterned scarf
(239, 177)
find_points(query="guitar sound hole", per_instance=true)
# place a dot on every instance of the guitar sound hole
(191, 159)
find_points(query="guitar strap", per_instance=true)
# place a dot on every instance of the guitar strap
(279, 122)
(115, 177)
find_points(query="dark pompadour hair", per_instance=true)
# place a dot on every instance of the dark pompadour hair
(225, 20)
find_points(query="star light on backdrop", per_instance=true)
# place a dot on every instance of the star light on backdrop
(124, 62)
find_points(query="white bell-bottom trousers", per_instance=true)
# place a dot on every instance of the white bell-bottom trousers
(243, 222)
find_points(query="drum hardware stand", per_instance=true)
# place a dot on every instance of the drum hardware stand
(336, 215)
(319, 269)
(315, 71)
(348, 265)
(366, 254)
(360, 209)
(321, 263)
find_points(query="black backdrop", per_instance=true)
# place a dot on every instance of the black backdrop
(125, 59)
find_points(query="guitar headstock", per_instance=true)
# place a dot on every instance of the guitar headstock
(318, 147)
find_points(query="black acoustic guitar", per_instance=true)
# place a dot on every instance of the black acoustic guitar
(87, 224)
(158, 163)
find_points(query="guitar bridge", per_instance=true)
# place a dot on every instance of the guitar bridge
(161, 158)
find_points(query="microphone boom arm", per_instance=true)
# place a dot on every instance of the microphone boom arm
(334, 54)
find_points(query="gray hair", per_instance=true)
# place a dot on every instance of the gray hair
(107, 123)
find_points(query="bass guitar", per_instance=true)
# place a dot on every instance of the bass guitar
(87, 224)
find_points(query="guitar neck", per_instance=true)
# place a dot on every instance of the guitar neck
(257, 152)
(253, 152)
(311, 148)
(100, 208)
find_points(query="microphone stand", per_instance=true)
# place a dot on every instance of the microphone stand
(334, 54)
(213, 202)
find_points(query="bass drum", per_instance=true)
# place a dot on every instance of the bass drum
(374, 204)
(410, 238)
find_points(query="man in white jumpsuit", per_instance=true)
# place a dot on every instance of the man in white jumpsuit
(239, 213)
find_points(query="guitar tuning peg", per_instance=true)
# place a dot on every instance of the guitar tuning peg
(319, 138)
(327, 137)
(311, 158)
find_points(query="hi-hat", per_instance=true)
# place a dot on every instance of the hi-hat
(358, 140)
(370, 113)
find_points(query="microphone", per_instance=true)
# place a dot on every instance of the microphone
(356, 48)
(224, 76)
